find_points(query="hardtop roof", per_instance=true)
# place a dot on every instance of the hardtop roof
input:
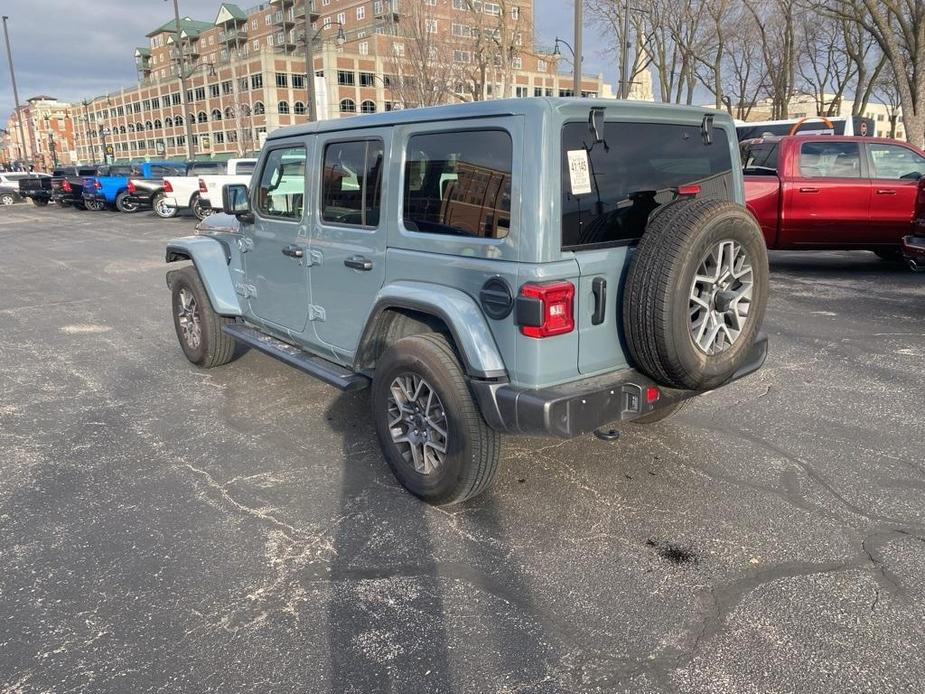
(532, 106)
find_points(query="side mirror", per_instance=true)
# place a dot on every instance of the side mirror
(235, 202)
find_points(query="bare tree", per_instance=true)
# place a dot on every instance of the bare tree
(607, 15)
(886, 89)
(776, 29)
(825, 70)
(746, 73)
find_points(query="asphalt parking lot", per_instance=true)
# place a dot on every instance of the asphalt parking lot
(168, 529)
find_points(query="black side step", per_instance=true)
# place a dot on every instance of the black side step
(322, 369)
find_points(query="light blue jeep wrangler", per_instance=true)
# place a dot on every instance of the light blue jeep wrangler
(530, 266)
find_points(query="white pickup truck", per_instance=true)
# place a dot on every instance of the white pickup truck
(190, 191)
(210, 186)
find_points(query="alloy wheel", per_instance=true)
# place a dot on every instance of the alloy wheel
(418, 423)
(188, 318)
(720, 297)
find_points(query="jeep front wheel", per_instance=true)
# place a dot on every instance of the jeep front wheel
(431, 432)
(199, 328)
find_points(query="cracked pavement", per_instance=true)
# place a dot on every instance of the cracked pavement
(169, 529)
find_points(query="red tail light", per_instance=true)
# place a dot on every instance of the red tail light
(167, 187)
(202, 186)
(97, 185)
(131, 186)
(554, 314)
(689, 189)
(66, 186)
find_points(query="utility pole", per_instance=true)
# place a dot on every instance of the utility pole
(624, 64)
(578, 21)
(190, 150)
(310, 63)
(9, 57)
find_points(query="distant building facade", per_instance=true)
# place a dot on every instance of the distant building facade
(246, 72)
(47, 134)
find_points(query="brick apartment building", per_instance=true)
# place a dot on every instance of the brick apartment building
(47, 126)
(245, 71)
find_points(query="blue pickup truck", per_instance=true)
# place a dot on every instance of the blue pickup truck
(109, 189)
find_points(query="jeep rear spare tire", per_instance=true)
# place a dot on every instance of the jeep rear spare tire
(432, 433)
(695, 293)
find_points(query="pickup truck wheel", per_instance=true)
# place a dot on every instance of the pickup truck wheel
(161, 208)
(123, 204)
(199, 328)
(7, 199)
(95, 205)
(695, 293)
(39, 202)
(199, 208)
(433, 436)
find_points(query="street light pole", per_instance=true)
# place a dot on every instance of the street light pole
(190, 151)
(310, 63)
(577, 51)
(9, 57)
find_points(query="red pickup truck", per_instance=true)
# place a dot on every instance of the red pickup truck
(832, 192)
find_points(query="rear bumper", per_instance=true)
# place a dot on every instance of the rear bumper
(94, 197)
(582, 406)
(140, 200)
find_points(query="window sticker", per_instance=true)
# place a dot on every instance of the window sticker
(579, 173)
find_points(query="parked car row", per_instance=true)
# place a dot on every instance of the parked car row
(162, 186)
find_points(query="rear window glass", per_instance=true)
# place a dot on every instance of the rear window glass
(87, 172)
(759, 159)
(459, 183)
(246, 167)
(207, 168)
(639, 168)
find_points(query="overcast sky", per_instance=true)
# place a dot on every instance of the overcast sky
(73, 50)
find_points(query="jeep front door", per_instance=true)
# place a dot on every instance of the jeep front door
(348, 239)
(275, 268)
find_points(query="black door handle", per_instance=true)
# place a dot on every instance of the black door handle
(358, 262)
(599, 289)
(293, 251)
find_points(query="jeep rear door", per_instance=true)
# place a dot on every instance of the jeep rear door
(347, 234)
(276, 276)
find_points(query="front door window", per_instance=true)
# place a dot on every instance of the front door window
(281, 190)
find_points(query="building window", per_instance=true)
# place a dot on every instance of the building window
(148, 125)
(257, 81)
(200, 93)
(229, 112)
(202, 117)
(256, 45)
(298, 81)
(460, 5)
(368, 106)
(461, 56)
(522, 91)
(541, 66)
(342, 18)
(175, 99)
(398, 49)
(517, 63)
(377, 8)
(346, 77)
(348, 106)
(367, 79)
(282, 79)
(214, 90)
(515, 12)
(178, 120)
(268, 19)
(216, 114)
(363, 48)
(431, 26)
(259, 109)
(219, 138)
(157, 123)
(168, 122)
(282, 107)
(537, 91)
(361, 12)
(298, 108)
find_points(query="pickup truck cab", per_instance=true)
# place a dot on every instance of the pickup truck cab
(109, 188)
(832, 192)
(181, 192)
(524, 266)
(210, 186)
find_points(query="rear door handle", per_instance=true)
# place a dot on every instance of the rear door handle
(293, 251)
(886, 191)
(809, 190)
(599, 289)
(358, 262)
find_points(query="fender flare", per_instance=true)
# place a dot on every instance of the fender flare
(458, 310)
(210, 257)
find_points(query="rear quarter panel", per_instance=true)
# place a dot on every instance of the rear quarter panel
(762, 198)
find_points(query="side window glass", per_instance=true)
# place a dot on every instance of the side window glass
(830, 160)
(896, 163)
(246, 167)
(351, 182)
(281, 191)
(459, 183)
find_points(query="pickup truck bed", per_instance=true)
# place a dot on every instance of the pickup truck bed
(37, 189)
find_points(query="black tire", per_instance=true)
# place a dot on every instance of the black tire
(214, 347)
(123, 205)
(7, 198)
(95, 205)
(889, 254)
(160, 209)
(473, 449)
(656, 300)
(199, 210)
(39, 202)
(662, 413)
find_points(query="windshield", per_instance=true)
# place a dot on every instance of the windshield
(610, 189)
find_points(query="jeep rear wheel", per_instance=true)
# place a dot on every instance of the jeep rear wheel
(695, 294)
(199, 328)
(430, 430)
(161, 208)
